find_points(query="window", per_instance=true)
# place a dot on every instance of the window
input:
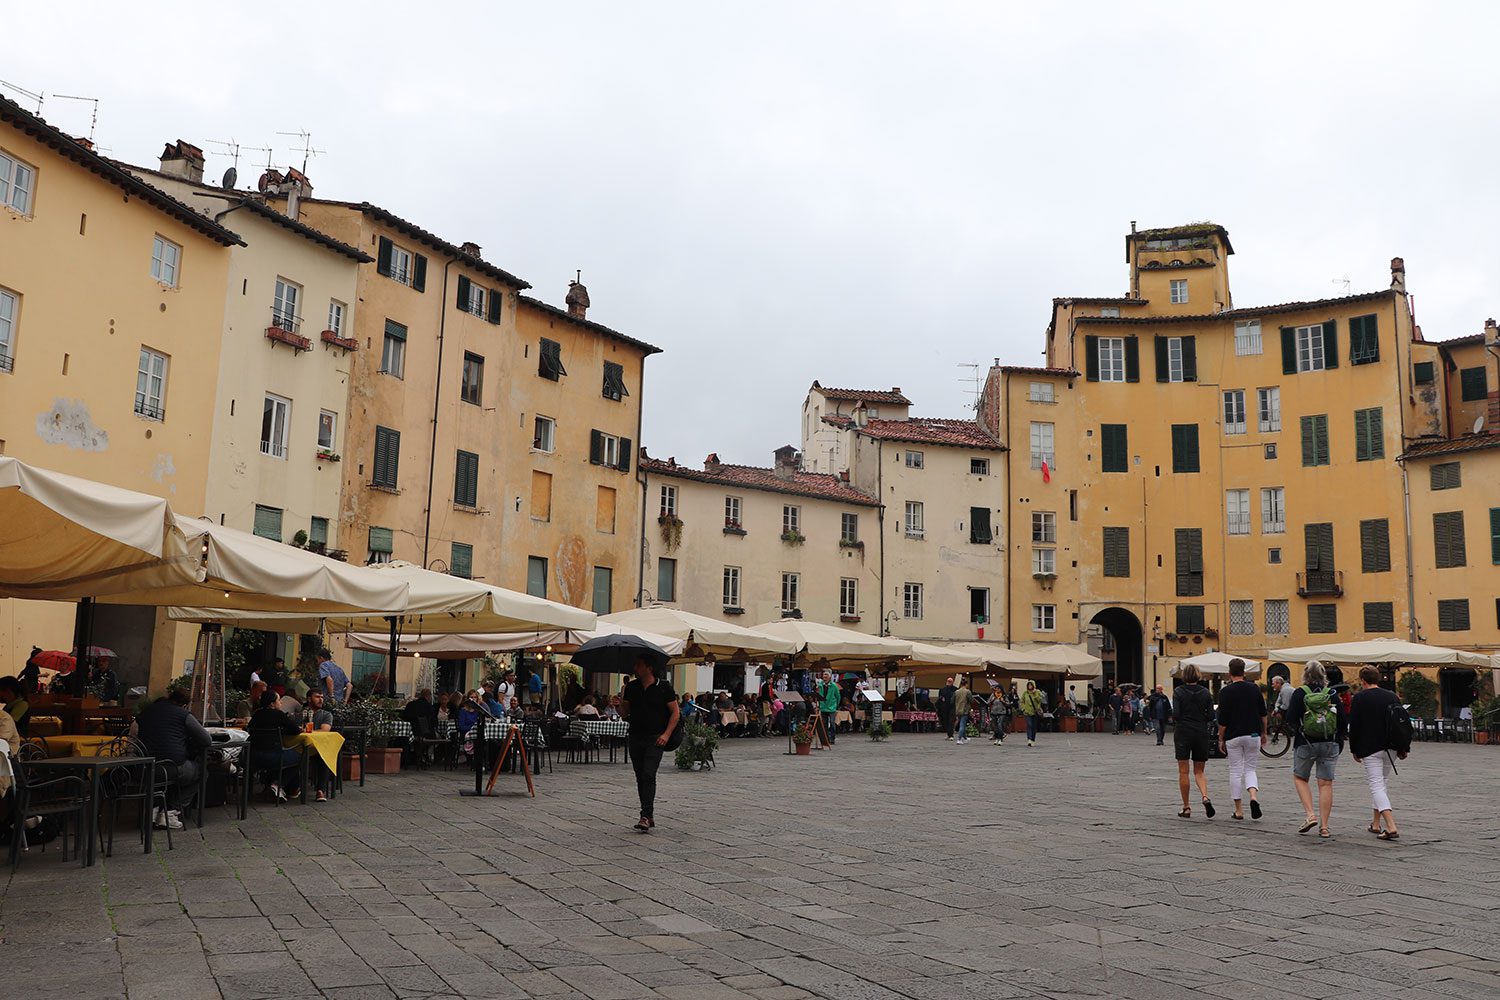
(1237, 512)
(979, 605)
(734, 517)
(849, 528)
(1453, 616)
(666, 579)
(1311, 343)
(387, 458)
(1241, 617)
(1364, 340)
(604, 585)
(1179, 291)
(1176, 359)
(1044, 527)
(614, 381)
(609, 451)
(536, 576)
(914, 459)
(17, 181)
(1273, 556)
(166, 257)
(1447, 476)
(1323, 619)
(336, 311)
(1269, 408)
(1315, 440)
(1185, 448)
(466, 479)
(1422, 373)
(472, 388)
(1109, 312)
(544, 434)
(461, 560)
(268, 522)
(1375, 546)
(317, 534)
(731, 588)
(668, 501)
(604, 510)
(790, 584)
(1448, 539)
(1042, 449)
(401, 265)
(541, 495)
(911, 600)
(915, 524)
(1234, 411)
(393, 355)
(1317, 542)
(1247, 337)
(791, 519)
(1111, 360)
(328, 424)
(1473, 385)
(473, 301)
(1495, 535)
(1369, 434)
(1278, 617)
(1189, 550)
(1380, 616)
(9, 306)
(1043, 392)
(275, 421)
(1043, 562)
(1114, 448)
(1044, 618)
(381, 545)
(151, 385)
(1117, 552)
(979, 467)
(549, 360)
(848, 597)
(979, 526)
(1190, 619)
(1272, 510)
(284, 308)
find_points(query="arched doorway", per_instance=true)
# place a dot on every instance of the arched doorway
(1124, 631)
(1276, 670)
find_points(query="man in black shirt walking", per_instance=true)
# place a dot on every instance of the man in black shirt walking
(1242, 732)
(650, 706)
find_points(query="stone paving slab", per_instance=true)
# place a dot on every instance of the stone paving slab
(910, 870)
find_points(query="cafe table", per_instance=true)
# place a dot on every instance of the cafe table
(324, 745)
(76, 746)
(92, 768)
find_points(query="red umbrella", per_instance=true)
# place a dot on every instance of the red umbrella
(54, 659)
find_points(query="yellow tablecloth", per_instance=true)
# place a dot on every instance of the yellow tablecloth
(840, 717)
(75, 746)
(327, 746)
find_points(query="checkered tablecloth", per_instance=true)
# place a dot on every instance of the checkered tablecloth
(494, 729)
(393, 728)
(580, 728)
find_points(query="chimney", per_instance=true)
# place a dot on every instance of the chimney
(183, 159)
(1398, 274)
(896, 389)
(297, 186)
(578, 297)
(712, 463)
(472, 249)
(788, 462)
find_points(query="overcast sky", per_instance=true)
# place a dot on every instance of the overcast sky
(868, 194)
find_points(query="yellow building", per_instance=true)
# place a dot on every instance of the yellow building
(111, 305)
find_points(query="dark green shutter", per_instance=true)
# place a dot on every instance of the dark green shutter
(1117, 552)
(1375, 546)
(1380, 616)
(1453, 615)
(383, 258)
(596, 447)
(1364, 340)
(1449, 544)
(387, 457)
(317, 533)
(1163, 364)
(1446, 476)
(979, 525)
(1369, 434)
(1114, 448)
(466, 479)
(394, 329)
(1323, 618)
(1473, 385)
(1309, 447)
(1330, 345)
(496, 297)
(1188, 543)
(1495, 535)
(419, 274)
(1190, 359)
(381, 539)
(1185, 448)
(1091, 358)
(463, 293)
(462, 563)
(624, 465)
(1315, 439)
(1318, 545)
(1422, 373)
(1288, 350)
(268, 522)
(1132, 359)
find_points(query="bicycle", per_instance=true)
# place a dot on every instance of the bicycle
(1278, 737)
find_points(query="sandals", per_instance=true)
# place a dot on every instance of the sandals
(1323, 832)
(1186, 813)
(1389, 835)
(1377, 831)
(1308, 825)
(1236, 816)
(1208, 809)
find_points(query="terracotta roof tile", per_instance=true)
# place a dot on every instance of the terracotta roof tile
(1233, 314)
(1097, 300)
(589, 324)
(1473, 338)
(924, 430)
(1024, 370)
(1452, 446)
(891, 396)
(817, 485)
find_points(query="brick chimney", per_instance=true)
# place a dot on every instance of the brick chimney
(1398, 274)
(578, 298)
(472, 249)
(297, 186)
(712, 463)
(183, 159)
(788, 462)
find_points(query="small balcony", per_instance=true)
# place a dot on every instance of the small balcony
(7, 363)
(334, 340)
(149, 410)
(283, 330)
(1321, 583)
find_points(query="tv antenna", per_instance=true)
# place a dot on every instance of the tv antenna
(306, 149)
(234, 150)
(1343, 281)
(29, 95)
(94, 119)
(972, 377)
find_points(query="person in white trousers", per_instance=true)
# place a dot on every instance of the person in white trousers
(1242, 732)
(1370, 745)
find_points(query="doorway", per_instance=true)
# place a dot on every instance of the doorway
(1456, 689)
(1124, 630)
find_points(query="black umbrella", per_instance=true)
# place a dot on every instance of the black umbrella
(616, 654)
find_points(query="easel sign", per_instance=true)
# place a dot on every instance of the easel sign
(512, 739)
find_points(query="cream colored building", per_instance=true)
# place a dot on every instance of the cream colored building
(824, 444)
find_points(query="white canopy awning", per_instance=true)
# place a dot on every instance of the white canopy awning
(1382, 651)
(465, 645)
(704, 636)
(1215, 663)
(924, 654)
(823, 644)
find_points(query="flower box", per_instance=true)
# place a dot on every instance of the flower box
(844, 543)
(328, 456)
(349, 768)
(347, 343)
(850, 619)
(733, 528)
(793, 537)
(296, 341)
(383, 760)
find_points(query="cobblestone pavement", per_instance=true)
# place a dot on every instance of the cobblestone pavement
(915, 869)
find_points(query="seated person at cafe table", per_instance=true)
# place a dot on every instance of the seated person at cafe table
(170, 733)
(279, 765)
(421, 713)
(317, 719)
(588, 710)
(16, 705)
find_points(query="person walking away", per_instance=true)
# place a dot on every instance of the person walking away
(945, 706)
(1116, 706)
(962, 699)
(650, 706)
(1031, 707)
(332, 679)
(1379, 727)
(1160, 707)
(1242, 732)
(999, 716)
(829, 697)
(1319, 730)
(1192, 706)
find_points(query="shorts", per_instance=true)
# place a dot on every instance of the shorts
(1324, 754)
(1191, 745)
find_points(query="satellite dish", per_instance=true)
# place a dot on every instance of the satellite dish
(230, 176)
(1479, 423)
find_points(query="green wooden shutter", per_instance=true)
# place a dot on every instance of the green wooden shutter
(1364, 340)
(1132, 359)
(596, 447)
(1330, 345)
(1473, 385)
(381, 539)
(419, 274)
(383, 258)
(1369, 434)
(1190, 359)
(1422, 373)
(1288, 350)
(496, 298)
(1185, 448)
(1495, 535)
(466, 479)
(1448, 539)
(1380, 616)
(1163, 362)
(1117, 552)
(394, 329)
(462, 561)
(268, 522)
(1323, 618)
(624, 465)
(1375, 546)
(317, 531)
(979, 526)
(1309, 446)
(1114, 448)
(463, 292)
(1453, 615)
(1320, 437)
(1091, 358)
(1188, 543)
(1184, 576)
(1446, 476)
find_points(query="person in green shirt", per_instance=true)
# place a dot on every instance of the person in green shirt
(829, 696)
(16, 705)
(1031, 707)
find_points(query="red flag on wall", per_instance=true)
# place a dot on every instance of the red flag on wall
(1046, 473)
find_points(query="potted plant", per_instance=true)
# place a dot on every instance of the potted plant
(1486, 717)
(699, 741)
(793, 537)
(1419, 693)
(380, 756)
(880, 733)
(671, 531)
(802, 738)
(1066, 720)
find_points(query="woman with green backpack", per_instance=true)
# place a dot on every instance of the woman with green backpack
(1320, 728)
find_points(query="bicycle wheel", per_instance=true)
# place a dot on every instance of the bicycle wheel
(1278, 742)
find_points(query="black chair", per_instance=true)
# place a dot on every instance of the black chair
(33, 748)
(263, 740)
(129, 785)
(61, 797)
(356, 741)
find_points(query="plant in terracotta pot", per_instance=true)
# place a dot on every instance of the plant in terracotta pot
(802, 738)
(880, 733)
(1486, 718)
(380, 756)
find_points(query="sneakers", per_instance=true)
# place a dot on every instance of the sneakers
(277, 795)
(322, 796)
(167, 819)
(950, 739)
(1031, 743)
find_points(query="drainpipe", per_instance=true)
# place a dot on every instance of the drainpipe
(437, 399)
(1009, 519)
(640, 560)
(880, 494)
(1411, 581)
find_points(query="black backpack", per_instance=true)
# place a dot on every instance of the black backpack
(1397, 728)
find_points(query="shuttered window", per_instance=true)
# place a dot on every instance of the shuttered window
(1315, 439)
(381, 544)
(1364, 340)
(666, 579)
(1448, 539)
(979, 526)
(1176, 359)
(1189, 546)
(387, 458)
(1116, 551)
(1323, 619)
(614, 381)
(604, 585)
(1375, 546)
(1318, 549)
(1495, 535)
(268, 522)
(536, 576)
(1472, 385)
(1185, 448)
(549, 360)
(462, 561)
(317, 531)
(1112, 359)
(1422, 373)
(466, 480)
(1189, 618)
(1369, 434)
(1447, 476)
(1380, 616)
(1453, 616)
(1114, 445)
